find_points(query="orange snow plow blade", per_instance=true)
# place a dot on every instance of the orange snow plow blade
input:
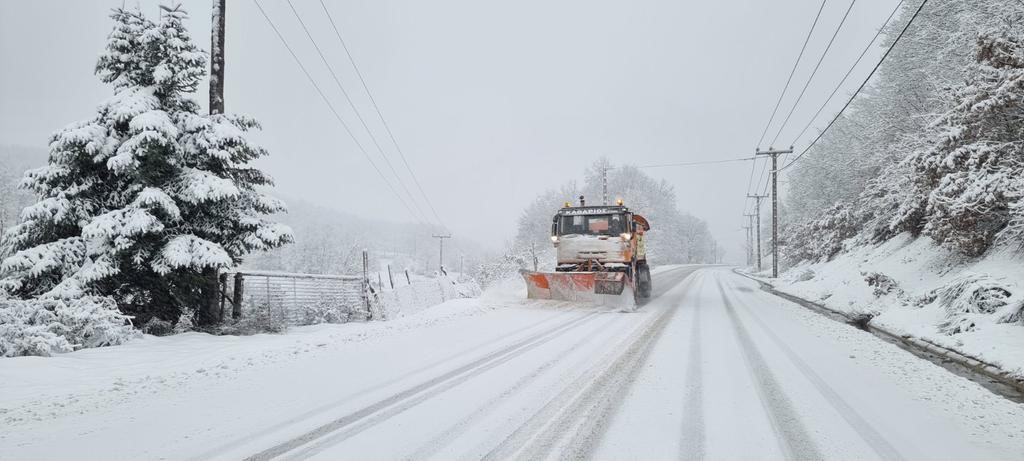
(573, 286)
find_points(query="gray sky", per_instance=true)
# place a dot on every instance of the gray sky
(490, 101)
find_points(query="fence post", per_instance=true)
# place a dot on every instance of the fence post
(391, 279)
(407, 279)
(222, 282)
(366, 284)
(236, 298)
(270, 308)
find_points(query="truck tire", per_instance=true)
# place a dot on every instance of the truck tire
(644, 280)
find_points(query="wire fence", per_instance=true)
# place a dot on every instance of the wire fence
(297, 299)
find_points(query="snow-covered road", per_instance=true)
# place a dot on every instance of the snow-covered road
(710, 368)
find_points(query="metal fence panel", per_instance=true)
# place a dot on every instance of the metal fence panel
(298, 299)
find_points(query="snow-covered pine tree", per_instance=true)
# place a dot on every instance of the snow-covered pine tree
(149, 197)
(974, 170)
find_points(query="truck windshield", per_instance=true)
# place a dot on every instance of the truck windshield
(602, 224)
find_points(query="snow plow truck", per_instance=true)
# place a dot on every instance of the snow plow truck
(601, 257)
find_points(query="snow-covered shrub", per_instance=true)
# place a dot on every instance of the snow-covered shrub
(971, 297)
(882, 284)
(186, 322)
(326, 309)
(157, 327)
(503, 268)
(49, 326)
(805, 275)
(145, 201)
(30, 328)
(822, 238)
(93, 321)
(260, 318)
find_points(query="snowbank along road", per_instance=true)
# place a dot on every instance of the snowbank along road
(710, 368)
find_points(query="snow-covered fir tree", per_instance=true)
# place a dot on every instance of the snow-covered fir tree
(148, 199)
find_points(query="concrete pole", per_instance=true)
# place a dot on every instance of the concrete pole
(775, 204)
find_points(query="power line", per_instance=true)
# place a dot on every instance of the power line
(355, 109)
(337, 116)
(704, 162)
(380, 114)
(848, 72)
(792, 71)
(814, 72)
(861, 87)
(782, 95)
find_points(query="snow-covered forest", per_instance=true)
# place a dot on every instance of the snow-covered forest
(917, 192)
(934, 147)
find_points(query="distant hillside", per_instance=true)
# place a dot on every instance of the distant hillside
(14, 160)
(331, 242)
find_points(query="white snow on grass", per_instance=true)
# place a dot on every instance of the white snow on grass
(918, 267)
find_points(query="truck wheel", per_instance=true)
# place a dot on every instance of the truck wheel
(644, 281)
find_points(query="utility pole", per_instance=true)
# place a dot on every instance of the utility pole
(775, 203)
(440, 240)
(212, 290)
(217, 58)
(750, 237)
(604, 183)
(757, 227)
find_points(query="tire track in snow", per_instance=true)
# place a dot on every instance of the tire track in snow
(571, 425)
(796, 442)
(871, 437)
(224, 449)
(409, 397)
(442, 440)
(691, 444)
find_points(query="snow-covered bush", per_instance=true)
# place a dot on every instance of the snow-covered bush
(325, 310)
(186, 322)
(805, 275)
(157, 327)
(260, 318)
(820, 239)
(29, 328)
(148, 199)
(93, 321)
(505, 267)
(49, 326)
(882, 284)
(972, 296)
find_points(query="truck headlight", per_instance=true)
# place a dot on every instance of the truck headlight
(554, 238)
(625, 235)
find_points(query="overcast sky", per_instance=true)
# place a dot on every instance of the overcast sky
(491, 102)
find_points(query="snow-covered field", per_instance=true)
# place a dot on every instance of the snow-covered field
(710, 367)
(918, 266)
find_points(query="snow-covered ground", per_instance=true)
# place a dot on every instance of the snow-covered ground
(711, 366)
(918, 267)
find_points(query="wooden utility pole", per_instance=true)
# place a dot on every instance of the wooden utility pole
(440, 241)
(775, 205)
(757, 226)
(217, 58)
(212, 293)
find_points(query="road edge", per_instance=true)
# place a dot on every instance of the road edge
(990, 376)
